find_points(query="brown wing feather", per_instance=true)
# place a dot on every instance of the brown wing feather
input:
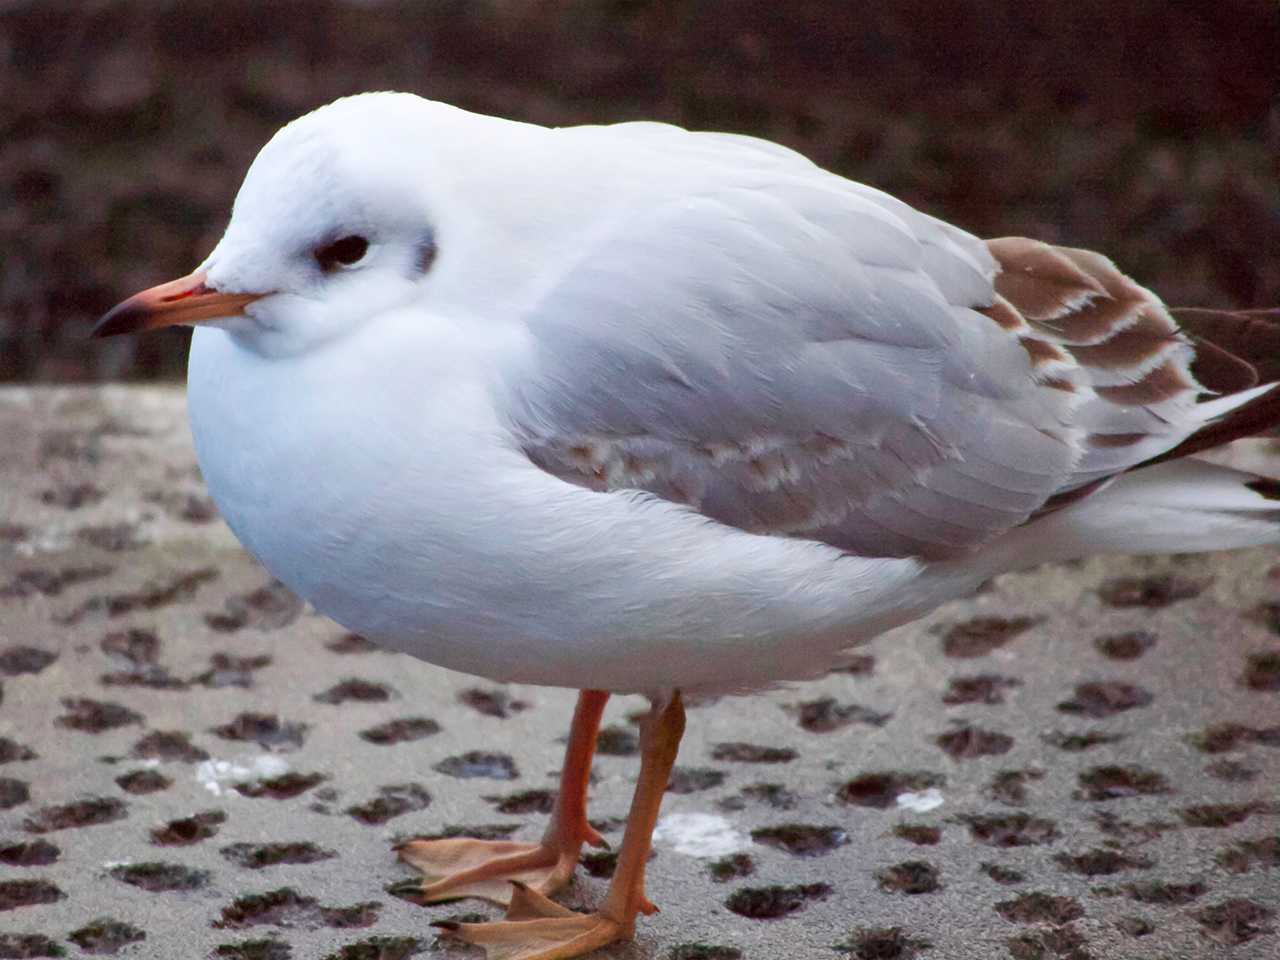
(1140, 367)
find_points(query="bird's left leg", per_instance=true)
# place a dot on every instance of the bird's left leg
(536, 928)
(464, 867)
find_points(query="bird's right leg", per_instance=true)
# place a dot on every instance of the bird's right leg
(463, 867)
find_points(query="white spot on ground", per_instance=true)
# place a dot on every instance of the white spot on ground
(217, 776)
(921, 802)
(700, 834)
(49, 540)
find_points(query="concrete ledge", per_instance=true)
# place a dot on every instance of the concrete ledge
(1081, 762)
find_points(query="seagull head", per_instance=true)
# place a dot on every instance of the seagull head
(332, 225)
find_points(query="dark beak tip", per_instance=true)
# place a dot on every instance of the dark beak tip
(127, 316)
(115, 322)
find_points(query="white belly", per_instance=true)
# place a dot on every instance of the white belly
(407, 515)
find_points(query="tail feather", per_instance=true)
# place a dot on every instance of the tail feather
(1183, 506)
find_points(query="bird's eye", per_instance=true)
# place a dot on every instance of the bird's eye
(341, 253)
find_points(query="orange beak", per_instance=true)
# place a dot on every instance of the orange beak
(185, 300)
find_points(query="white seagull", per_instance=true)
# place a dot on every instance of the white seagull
(632, 409)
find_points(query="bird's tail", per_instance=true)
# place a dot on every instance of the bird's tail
(1179, 506)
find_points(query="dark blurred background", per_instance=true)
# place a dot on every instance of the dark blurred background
(1148, 129)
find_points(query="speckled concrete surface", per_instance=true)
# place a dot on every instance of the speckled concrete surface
(1104, 740)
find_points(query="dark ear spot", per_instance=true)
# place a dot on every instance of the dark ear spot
(425, 253)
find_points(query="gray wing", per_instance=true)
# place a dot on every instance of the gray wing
(811, 358)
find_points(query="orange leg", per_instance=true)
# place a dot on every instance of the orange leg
(463, 867)
(536, 928)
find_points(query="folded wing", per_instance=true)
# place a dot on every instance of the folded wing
(806, 357)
